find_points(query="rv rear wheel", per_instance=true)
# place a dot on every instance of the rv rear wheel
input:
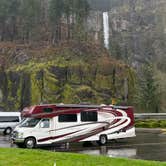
(30, 143)
(7, 131)
(103, 140)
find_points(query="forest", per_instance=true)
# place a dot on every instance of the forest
(42, 20)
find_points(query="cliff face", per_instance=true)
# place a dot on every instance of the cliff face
(137, 29)
(137, 33)
(75, 72)
(71, 73)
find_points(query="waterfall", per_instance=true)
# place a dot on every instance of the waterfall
(106, 29)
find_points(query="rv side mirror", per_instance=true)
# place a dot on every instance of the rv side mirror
(42, 125)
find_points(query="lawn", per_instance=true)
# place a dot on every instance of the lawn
(22, 157)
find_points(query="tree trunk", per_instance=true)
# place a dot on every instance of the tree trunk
(68, 27)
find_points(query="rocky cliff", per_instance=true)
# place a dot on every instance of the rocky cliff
(70, 73)
(137, 34)
(75, 72)
(137, 29)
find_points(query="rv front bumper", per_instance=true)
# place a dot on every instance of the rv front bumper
(17, 137)
(18, 140)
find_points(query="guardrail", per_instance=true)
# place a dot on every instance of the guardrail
(159, 116)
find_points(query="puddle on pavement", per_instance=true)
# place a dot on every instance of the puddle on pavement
(147, 146)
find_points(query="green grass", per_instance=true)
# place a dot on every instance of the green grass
(150, 123)
(22, 157)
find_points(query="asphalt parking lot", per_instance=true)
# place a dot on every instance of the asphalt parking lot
(148, 145)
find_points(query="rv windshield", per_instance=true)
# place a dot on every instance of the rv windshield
(30, 122)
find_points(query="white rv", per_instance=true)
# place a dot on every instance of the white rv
(8, 121)
(47, 124)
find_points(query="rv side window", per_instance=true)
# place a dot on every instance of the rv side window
(67, 118)
(30, 122)
(89, 116)
(9, 119)
(45, 123)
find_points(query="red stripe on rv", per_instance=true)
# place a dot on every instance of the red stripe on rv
(59, 136)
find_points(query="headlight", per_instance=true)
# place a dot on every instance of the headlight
(20, 135)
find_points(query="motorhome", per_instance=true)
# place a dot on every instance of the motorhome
(49, 124)
(8, 121)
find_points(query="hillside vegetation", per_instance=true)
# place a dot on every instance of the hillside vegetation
(52, 51)
(69, 73)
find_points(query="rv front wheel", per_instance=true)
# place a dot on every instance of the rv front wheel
(103, 140)
(30, 143)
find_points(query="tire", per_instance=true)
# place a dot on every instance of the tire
(102, 140)
(7, 131)
(30, 143)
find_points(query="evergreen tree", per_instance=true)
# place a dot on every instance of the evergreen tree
(149, 93)
(56, 8)
(13, 15)
(68, 13)
(81, 9)
(30, 14)
(4, 8)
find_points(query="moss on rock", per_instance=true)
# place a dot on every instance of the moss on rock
(63, 76)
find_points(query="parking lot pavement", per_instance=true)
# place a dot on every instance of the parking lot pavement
(5, 141)
(146, 145)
